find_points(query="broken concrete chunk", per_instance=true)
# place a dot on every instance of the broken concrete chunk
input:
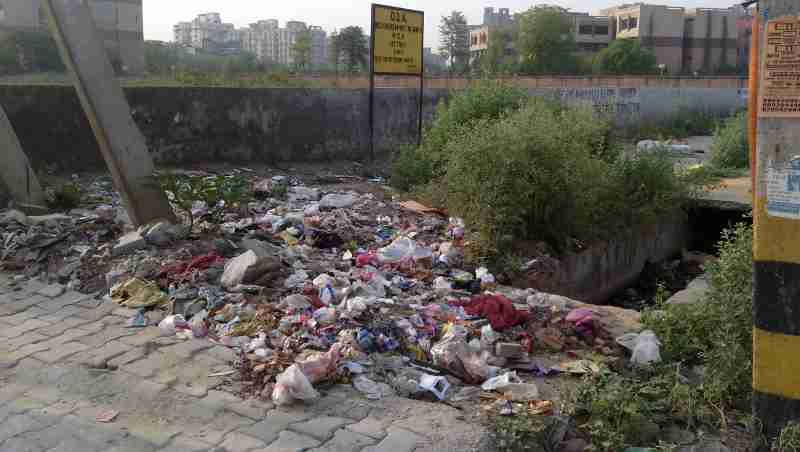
(162, 233)
(510, 350)
(303, 194)
(337, 201)
(248, 268)
(261, 248)
(129, 243)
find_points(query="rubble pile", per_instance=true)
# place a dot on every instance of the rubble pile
(315, 287)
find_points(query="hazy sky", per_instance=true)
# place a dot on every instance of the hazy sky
(160, 16)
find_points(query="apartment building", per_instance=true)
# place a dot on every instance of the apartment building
(710, 40)
(592, 33)
(261, 39)
(319, 47)
(119, 24)
(206, 31)
(660, 28)
(501, 18)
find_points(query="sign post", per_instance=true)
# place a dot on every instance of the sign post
(397, 38)
(776, 218)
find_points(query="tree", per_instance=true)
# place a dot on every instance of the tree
(334, 53)
(39, 51)
(626, 56)
(301, 51)
(545, 41)
(351, 45)
(498, 59)
(454, 41)
(159, 58)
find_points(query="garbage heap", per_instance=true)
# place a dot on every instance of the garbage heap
(317, 288)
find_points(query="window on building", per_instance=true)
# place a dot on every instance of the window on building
(601, 29)
(633, 22)
(623, 24)
(585, 29)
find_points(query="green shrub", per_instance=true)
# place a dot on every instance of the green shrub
(530, 176)
(219, 193)
(63, 197)
(409, 168)
(484, 100)
(523, 433)
(717, 332)
(730, 148)
(730, 303)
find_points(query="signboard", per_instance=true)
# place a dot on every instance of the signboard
(397, 36)
(783, 189)
(779, 89)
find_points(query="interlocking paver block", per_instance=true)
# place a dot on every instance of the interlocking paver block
(56, 354)
(28, 325)
(52, 290)
(238, 442)
(183, 443)
(292, 442)
(397, 440)
(275, 422)
(346, 441)
(14, 425)
(370, 427)
(27, 314)
(321, 427)
(61, 326)
(24, 352)
(142, 336)
(187, 348)
(61, 314)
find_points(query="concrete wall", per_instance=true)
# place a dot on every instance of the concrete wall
(596, 274)
(271, 125)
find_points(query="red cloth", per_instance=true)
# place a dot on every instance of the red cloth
(498, 309)
(183, 270)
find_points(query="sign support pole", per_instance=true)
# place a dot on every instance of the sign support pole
(397, 40)
(372, 87)
(776, 218)
(421, 87)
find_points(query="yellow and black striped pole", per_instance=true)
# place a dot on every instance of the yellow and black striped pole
(776, 303)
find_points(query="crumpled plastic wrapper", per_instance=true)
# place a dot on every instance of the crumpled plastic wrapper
(135, 293)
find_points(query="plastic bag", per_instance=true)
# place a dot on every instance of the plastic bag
(488, 338)
(453, 353)
(401, 250)
(647, 349)
(172, 324)
(293, 385)
(199, 324)
(487, 279)
(321, 366)
(371, 390)
(437, 386)
(500, 382)
(325, 316)
(442, 285)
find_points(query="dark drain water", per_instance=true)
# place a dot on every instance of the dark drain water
(706, 224)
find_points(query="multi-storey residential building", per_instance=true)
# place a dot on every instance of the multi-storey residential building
(591, 33)
(119, 24)
(261, 39)
(502, 18)
(319, 47)
(709, 41)
(660, 28)
(701, 40)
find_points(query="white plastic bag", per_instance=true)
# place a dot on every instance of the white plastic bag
(292, 385)
(488, 338)
(403, 249)
(500, 382)
(437, 386)
(645, 347)
(171, 324)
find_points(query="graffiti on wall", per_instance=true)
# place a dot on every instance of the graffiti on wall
(623, 104)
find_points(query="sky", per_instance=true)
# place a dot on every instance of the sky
(160, 16)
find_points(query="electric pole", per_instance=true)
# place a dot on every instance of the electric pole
(776, 216)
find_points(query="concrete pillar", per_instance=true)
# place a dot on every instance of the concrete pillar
(121, 143)
(776, 303)
(16, 171)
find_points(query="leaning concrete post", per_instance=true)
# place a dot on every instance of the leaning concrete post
(121, 143)
(16, 171)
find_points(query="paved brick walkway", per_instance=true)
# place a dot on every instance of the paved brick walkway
(50, 396)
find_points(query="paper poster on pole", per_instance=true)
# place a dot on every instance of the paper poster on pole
(779, 89)
(397, 35)
(783, 189)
